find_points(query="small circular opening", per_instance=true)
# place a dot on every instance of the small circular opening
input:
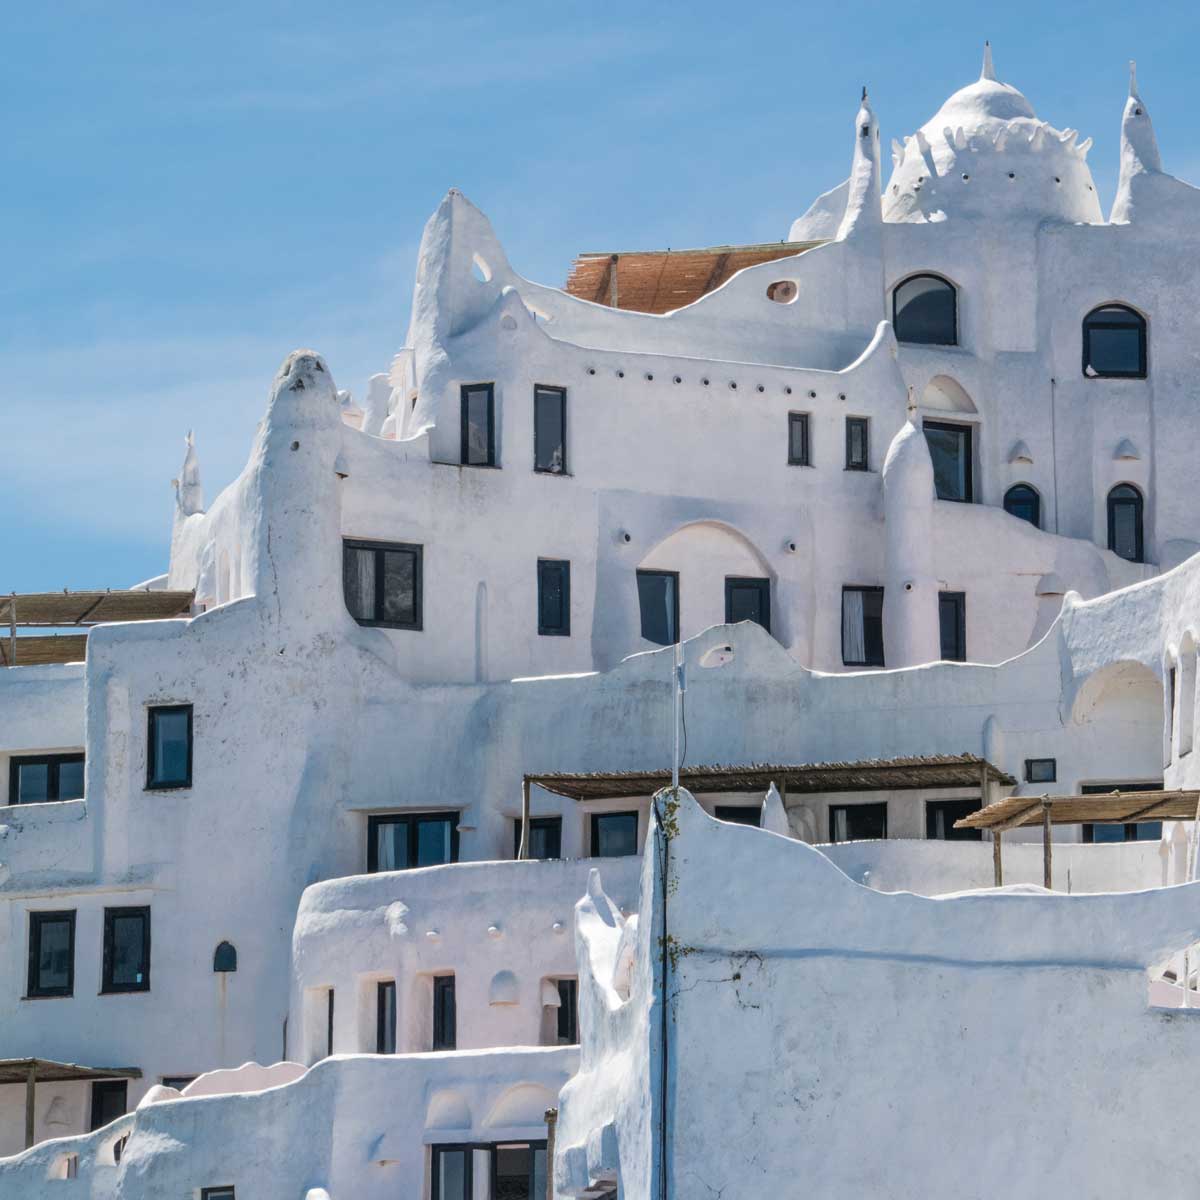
(787, 391)
(591, 370)
(761, 388)
(620, 374)
(678, 378)
(733, 384)
(1012, 174)
(841, 395)
(649, 377)
(782, 291)
(965, 177)
(705, 382)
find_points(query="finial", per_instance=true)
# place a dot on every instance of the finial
(1133, 78)
(989, 71)
(864, 95)
(912, 402)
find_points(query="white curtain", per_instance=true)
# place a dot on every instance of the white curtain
(854, 646)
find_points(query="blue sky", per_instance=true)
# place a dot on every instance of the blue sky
(192, 191)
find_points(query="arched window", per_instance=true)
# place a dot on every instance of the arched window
(225, 958)
(1114, 343)
(925, 311)
(1023, 501)
(1125, 522)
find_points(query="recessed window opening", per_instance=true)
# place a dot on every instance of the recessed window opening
(450, 1173)
(951, 452)
(329, 1007)
(385, 1017)
(169, 746)
(400, 841)
(614, 834)
(550, 430)
(554, 597)
(1041, 770)
(748, 599)
(445, 1017)
(478, 425)
(857, 444)
(178, 1082)
(217, 1193)
(925, 311)
(1187, 698)
(1125, 516)
(126, 950)
(42, 778)
(1114, 343)
(798, 443)
(545, 837)
(225, 959)
(940, 816)
(1170, 710)
(568, 1012)
(1023, 502)
(739, 814)
(952, 625)
(658, 602)
(383, 583)
(519, 1171)
(862, 626)
(857, 822)
(51, 954)
(109, 1101)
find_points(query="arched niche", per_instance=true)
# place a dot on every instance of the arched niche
(522, 1104)
(448, 1109)
(1125, 692)
(947, 395)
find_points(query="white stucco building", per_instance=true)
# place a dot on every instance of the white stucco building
(917, 484)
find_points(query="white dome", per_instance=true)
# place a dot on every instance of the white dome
(986, 153)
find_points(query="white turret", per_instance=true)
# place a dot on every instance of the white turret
(863, 209)
(1139, 152)
(910, 597)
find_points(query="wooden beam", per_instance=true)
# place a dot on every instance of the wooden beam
(523, 848)
(997, 866)
(12, 630)
(1047, 876)
(612, 281)
(30, 1099)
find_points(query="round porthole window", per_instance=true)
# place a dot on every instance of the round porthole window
(782, 291)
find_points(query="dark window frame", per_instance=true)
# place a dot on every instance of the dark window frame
(38, 918)
(969, 475)
(99, 1088)
(801, 420)
(959, 601)
(108, 986)
(871, 804)
(493, 1158)
(594, 830)
(374, 820)
(950, 805)
(563, 567)
(735, 814)
(178, 1082)
(760, 584)
(223, 1192)
(52, 763)
(561, 392)
(650, 573)
(568, 1003)
(1029, 491)
(901, 283)
(868, 661)
(1031, 763)
(330, 999)
(1138, 500)
(384, 1035)
(538, 823)
(466, 389)
(851, 463)
(1136, 321)
(417, 550)
(443, 1038)
(467, 1149)
(153, 711)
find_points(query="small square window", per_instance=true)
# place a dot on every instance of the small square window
(857, 444)
(857, 822)
(1041, 770)
(545, 837)
(126, 950)
(798, 443)
(614, 835)
(110, 1100)
(554, 597)
(51, 954)
(169, 746)
(748, 599)
(217, 1193)
(739, 814)
(178, 1082)
(382, 583)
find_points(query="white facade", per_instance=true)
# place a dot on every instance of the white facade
(307, 726)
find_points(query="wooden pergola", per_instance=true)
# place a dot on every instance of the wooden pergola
(32, 1071)
(1108, 808)
(56, 610)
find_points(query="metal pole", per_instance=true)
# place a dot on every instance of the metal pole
(30, 1096)
(523, 848)
(1047, 876)
(677, 687)
(551, 1124)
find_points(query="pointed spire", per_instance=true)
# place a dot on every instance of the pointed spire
(1139, 152)
(864, 207)
(864, 95)
(989, 69)
(189, 494)
(1133, 78)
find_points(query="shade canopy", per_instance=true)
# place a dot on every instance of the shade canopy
(869, 775)
(45, 1070)
(91, 608)
(1107, 808)
(40, 650)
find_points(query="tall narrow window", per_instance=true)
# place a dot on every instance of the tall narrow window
(329, 996)
(1125, 522)
(554, 597)
(169, 746)
(398, 841)
(748, 600)
(1114, 343)
(519, 1171)
(940, 816)
(126, 950)
(550, 430)
(110, 1100)
(1169, 740)
(857, 822)
(1024, 503)
(798, 444)
(37, 779)
(445, 1020)
(478, 425)
(658, 600)
(51, 954)
(614, 835)
(568, 1012)
(385, 1017)
(857, 444)
(862, 626)
(950, 450)
(925, 311)
(382, 583)
(952, 621)
(545, 837)
(451, 1173)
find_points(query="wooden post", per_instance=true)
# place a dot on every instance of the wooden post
(30, 1097)
(997, 868)
(523, 848)
(551, 1123)
(12, 629)
(1047, 877)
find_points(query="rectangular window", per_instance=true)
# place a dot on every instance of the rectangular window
(382, 583)
(398, 841)
(51, 954)
(550, 430)
(857, 444)
(748, 600)
(385, 1017)
(862, 626)
(109, 1101)
(126, 950)
(217, 1193)
(940, 816)
(519, 1171)
(445, 1033)
(568, 1012)
(169, 746)
(554, 597)
(857, 822)
(329, 997)
(950, 450)
(451, 1173)
(478, 425)
(1132, 831)
(545, 837)
(739, 814)
(952, 621)
(798, 446)
(178, 1082)
(1170, 707)
(37, 779)
(614, 835)
(658, 599)
(1041, 770)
